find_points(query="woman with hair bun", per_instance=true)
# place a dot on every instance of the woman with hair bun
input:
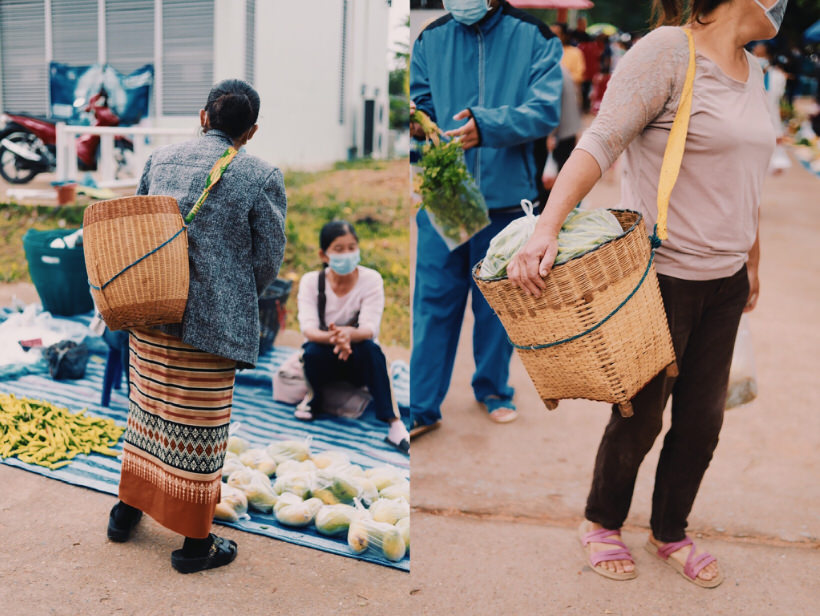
(182, 375)
(340, 311)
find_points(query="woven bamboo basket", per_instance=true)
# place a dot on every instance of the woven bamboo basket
(136, 255)
(571, 357)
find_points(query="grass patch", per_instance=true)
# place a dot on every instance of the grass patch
(16, 219)
(373, 195)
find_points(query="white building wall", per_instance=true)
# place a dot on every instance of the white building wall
(369, 71)
(297, 77)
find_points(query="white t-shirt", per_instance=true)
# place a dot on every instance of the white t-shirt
(366, 298)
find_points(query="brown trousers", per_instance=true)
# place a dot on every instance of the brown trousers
(703, 319)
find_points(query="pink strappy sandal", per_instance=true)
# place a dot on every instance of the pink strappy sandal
(621, 552)
(694, 563)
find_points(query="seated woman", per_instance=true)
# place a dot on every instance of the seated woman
(340, 311)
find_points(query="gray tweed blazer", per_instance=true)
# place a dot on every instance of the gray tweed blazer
(235, 243)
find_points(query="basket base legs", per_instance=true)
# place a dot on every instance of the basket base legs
(672, 369)
(550, 403)
(626, 409)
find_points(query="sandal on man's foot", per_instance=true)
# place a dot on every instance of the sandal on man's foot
(694, 564)
(620, 552)
(121, 521)
(501, 411)
(419, 428)
(403, 445)
(221, 552)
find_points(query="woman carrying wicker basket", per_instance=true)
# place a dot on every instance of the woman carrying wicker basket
(707, 268)
(182, 375)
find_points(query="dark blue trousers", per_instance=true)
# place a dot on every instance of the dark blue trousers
(366, 366)
(442, 284)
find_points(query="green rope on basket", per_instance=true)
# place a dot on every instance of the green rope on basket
(655, 242)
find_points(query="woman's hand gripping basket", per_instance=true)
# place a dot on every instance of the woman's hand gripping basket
(136, 254)
(598, 331)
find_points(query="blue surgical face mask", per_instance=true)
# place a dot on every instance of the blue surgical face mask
(775, 13)
(345, 262)
(467, 12)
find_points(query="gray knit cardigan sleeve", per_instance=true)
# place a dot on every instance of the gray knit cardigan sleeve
(236, 243)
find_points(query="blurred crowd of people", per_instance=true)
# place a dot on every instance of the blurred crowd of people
(592, 54)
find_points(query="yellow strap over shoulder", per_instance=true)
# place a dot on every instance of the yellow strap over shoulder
(677, 142)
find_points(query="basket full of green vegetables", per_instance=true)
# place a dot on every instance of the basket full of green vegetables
(449, 193)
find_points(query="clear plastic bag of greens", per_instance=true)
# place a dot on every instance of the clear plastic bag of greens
(449, 194)
(504, 246)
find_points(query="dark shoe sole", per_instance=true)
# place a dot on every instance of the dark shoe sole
(419, 429)
(403, 445)
(121, 534)
(222, 552)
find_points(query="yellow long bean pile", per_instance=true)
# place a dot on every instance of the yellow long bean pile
(41, 433)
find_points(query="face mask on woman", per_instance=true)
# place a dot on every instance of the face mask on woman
(467, 12)
(344, 263)
(775, 13)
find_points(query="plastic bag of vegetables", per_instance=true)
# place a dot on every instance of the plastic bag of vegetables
(291, 510)
(289, 450)
(258, 459)
(256, 486)
(449, 194)
(300, 484)
(582, 231)
(232, 505)
(366, 534)
(585, 230)
(507, 243)
(335, 519)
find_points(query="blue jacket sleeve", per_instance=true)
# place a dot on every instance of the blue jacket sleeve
(420, 92)
(507, 126)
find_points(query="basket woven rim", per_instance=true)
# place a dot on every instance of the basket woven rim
(477, 266)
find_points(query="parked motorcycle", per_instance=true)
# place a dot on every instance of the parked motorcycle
(28, 143)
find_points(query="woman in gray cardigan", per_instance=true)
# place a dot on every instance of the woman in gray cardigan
(182, 375)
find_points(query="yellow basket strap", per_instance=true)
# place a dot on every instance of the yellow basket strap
(676, 143)
(214, 175)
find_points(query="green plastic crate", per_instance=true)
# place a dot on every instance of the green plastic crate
(58, 273)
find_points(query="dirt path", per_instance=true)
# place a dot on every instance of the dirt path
(496, 507)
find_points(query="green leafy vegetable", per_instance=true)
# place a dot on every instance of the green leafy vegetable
(447, 189)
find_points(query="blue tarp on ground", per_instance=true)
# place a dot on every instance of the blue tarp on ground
(262, 420)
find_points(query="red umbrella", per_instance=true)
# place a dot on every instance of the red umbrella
(552, 4)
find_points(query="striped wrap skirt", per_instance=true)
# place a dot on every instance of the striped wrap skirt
(177, 433)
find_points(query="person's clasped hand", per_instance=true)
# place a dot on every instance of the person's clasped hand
(416, 131)
(467, 134)
(340, 339)
(533, 262)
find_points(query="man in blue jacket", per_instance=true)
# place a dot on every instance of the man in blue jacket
(490, 75)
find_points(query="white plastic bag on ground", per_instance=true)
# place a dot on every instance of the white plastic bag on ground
(742, 375)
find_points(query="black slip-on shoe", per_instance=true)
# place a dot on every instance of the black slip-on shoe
(403, 445)
(121, 532)
(221, 552)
